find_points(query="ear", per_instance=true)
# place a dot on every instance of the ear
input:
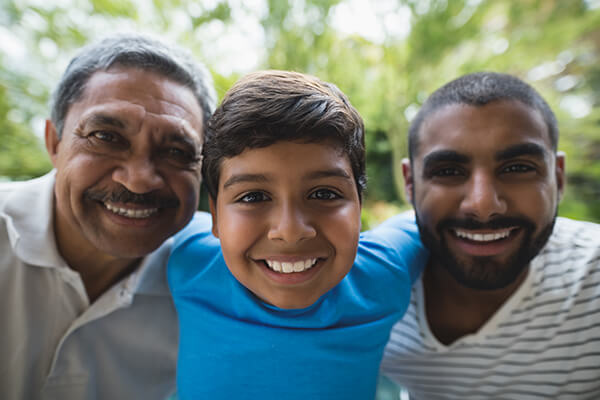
(52, 141)
(560, 172)
(408, 179)
(213, 212)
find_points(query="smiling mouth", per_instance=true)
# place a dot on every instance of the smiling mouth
(483, 238)
(291, 267)
(135, 213)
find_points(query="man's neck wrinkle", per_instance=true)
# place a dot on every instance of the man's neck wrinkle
(453, 310)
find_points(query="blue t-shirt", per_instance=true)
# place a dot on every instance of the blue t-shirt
(235, 346)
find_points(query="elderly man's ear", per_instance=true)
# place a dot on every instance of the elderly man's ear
(52, 141)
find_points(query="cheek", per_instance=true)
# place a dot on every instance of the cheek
(342, 229)
(537, 202)
(435, 203)
(237, 231)
(187, 189)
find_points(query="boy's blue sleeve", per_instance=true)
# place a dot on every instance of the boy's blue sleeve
(194, 249)
(401, 234)
(201, 223)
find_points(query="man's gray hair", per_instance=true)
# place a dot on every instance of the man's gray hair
(135, 51)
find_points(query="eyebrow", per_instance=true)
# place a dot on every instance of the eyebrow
(444, 156)
(250, 178)
(329, 173)
(524, 149)
(182, 139)
(106, 120)
(244, 178)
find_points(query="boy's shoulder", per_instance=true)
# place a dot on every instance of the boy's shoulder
(194, 249)
(199, 228)
(394, 244)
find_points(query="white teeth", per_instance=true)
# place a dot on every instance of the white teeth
(482, 237)
(299, 266)
(289, 267)
(131, 213)
(274, 265)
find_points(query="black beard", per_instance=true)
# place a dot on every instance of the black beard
(483, 273)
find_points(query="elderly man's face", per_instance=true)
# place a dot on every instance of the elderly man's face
(128, 163)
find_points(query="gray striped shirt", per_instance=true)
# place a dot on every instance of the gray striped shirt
(543, 343)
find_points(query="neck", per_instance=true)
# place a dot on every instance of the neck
(99, 271)
(454, 310)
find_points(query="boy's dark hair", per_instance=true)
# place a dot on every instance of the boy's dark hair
(479, 89)
(267, 107)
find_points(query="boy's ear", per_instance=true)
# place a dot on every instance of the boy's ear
(408, 179)
(213, 212)
(52, 141)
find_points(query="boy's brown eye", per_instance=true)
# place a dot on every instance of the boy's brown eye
(253, 197)
(324, 194)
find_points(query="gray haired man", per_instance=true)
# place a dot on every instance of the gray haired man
(84, 306)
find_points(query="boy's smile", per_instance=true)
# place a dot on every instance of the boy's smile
(288, 217)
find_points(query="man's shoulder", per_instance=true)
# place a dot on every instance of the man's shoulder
(16, 192)
(572, 233)
(574, 246)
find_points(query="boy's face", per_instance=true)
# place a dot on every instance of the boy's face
(288, 217)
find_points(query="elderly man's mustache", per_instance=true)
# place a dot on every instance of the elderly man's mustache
(122, 195)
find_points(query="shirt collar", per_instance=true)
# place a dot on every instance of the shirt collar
(150, 278)
(28, 211)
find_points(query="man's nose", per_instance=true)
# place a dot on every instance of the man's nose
(291, 224)
(138, 175)
(483, 198)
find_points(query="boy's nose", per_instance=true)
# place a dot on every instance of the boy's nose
(482, 199)
(291, 225)
(138, 175)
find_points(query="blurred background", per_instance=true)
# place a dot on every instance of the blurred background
(386, 55)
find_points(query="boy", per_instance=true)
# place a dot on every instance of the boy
(281, 309)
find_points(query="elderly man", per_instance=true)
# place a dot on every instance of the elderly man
(85, 309)
(508, 306)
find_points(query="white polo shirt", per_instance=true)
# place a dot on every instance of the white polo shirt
(53, 343)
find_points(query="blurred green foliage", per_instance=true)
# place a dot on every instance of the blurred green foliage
(553, 44)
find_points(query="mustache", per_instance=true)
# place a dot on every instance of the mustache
(123, 195)
(496, 223)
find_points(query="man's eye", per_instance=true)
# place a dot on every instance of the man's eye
(181, 157)
(446, 172)
(324, 194)
(253, 197)
(518, 168)
(180, 154)
(104, 136)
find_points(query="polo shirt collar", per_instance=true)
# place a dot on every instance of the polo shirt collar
(29, 214)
